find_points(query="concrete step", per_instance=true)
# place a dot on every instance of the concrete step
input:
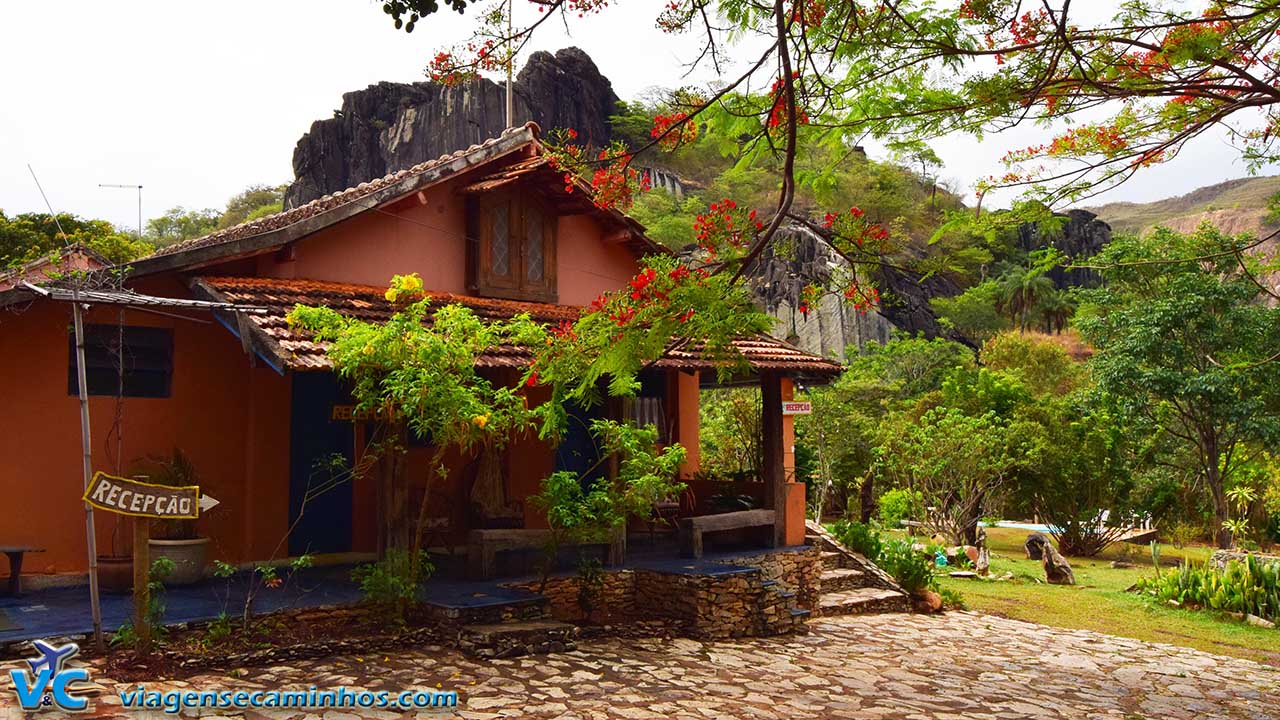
(841, 579)
(513, 639)
(832, 560)
(863, 601)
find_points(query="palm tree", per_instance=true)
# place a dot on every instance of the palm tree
(1022, 291)
(1056, 309)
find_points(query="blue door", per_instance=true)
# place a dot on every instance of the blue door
(578, 451)
(319, 448)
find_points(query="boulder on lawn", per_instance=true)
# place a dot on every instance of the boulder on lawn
(1056, 568)
(927, 601)
(1035, 545)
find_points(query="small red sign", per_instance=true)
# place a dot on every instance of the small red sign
(797, 408)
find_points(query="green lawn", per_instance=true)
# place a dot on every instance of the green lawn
(1099, 600)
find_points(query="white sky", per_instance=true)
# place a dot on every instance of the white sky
(195, 101)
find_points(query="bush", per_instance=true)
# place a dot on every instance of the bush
(900, 504)
(911, 570)
(859, 537)
(390, 584)
(1251, 587)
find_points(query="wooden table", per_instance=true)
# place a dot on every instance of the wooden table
(15, 553)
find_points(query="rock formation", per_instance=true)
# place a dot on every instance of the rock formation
(1083, 235)
(390, 126)
(799, 257)
(1035, 545)
(1057, 571)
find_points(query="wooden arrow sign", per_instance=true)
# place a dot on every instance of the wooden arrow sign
(139, 499)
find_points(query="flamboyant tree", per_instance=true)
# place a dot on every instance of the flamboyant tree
(1121, 88)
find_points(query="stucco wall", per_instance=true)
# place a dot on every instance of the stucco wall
(427, 235)
(231, 419)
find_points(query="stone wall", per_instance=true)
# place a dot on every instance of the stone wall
(710, 606)
(1220, 558)
(755, 598)
(798, 571)
(617, 595)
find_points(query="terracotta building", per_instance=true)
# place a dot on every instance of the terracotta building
(255, 406)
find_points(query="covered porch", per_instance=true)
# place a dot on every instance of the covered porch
(482, 522)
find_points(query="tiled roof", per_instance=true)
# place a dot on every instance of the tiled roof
(542, 170)
(443, 167)
(294, 351)
(294, 223)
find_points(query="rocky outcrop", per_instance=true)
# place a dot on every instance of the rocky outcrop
(1082, 235)
(391, 126)
(799, 257)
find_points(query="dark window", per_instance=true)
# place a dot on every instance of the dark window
(146, 356)
(514, 255)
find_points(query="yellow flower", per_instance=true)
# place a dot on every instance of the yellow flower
(391, 295)
(480, 421)
(368, 349)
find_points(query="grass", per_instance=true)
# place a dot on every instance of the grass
(1100, 600)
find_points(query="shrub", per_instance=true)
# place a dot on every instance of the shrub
(952, 599)
(1251, 587)
(391, 584)
(911, 570)
(859, 537)
(900, 504)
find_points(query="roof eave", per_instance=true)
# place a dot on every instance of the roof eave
(270, 239)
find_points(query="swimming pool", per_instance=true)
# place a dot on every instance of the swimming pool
(1033, 527)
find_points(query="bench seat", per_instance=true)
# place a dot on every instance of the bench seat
(484, 545)
(692, 528)
(15, 553)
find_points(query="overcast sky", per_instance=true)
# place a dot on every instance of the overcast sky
(194, 101)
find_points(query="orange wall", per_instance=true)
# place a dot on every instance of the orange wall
(231, 419)
(585, 264)
(430, 239)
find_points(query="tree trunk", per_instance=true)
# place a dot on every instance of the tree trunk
(867, 497)
(1221, 510)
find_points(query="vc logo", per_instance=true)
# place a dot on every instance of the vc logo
(48, 683)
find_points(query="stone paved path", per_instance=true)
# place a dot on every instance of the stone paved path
(959, 665)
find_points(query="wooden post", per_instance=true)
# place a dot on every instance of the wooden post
(86, 447)
(774, 475)
(142, 582)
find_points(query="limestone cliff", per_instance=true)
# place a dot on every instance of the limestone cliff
(390, 126)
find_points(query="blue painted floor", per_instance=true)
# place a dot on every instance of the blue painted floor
(65, 611)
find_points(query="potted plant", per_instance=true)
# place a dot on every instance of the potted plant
(177, 540)
(115, 571)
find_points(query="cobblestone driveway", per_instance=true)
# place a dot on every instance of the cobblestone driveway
(959, 665)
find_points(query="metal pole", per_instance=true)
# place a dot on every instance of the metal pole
(511, 61)
(87, 446)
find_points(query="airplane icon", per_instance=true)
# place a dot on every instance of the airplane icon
(51, 657)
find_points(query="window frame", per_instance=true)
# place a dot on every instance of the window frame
(148, 358)
(521, 211)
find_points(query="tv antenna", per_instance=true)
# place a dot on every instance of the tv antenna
(129, 187)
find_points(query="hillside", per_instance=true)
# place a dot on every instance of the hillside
(1235, 206)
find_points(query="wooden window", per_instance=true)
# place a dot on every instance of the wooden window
(513, 253)
(146, 355)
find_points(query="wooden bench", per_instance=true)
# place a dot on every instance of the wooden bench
(15, 553)
(484, 545)
(692, 528)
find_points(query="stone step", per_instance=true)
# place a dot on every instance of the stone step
(513, 639)
(863, 601)
(832, 560)
(840, 579)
